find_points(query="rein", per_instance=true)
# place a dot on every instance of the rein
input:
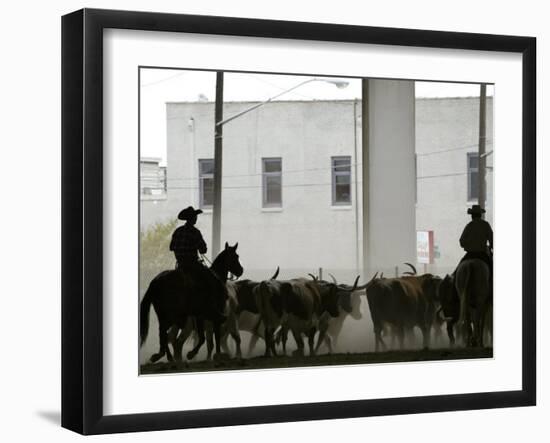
(205, 258)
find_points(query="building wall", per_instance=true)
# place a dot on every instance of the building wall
(446, 130)
(305, 135)
(308, 232)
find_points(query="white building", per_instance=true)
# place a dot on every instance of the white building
(293, 180)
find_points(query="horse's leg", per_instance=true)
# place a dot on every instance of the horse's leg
(200, 339)
(209, 340)
(185, 331)
(163, 341)
(217, 337)
(172, 338)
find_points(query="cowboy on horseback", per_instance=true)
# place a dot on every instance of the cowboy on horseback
(187, 243)
(475, 237)
(474, 277)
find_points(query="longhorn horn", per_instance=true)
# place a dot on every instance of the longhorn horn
(355, 284)
(366, 285)
(312, 276)
(274, 277)
(381, 274)
(408, 273)
(412, 267)
(333, 279)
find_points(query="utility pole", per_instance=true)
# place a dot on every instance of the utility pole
(356, 186)
(218, 144)
(482, 158)
(366, 175)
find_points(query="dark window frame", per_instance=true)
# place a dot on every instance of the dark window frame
(265, 176)
(469, 172)
(334, 173)
(202, 177)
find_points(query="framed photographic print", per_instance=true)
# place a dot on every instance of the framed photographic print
(270, 221)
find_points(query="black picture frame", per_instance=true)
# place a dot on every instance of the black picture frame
(82, 218)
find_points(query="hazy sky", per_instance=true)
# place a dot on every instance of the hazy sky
(159, 86)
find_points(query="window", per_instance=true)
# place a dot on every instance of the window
(272, 181)
(206, 183)
(341, 180)
(473, 176)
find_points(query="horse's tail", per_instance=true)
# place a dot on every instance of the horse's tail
(144, 313)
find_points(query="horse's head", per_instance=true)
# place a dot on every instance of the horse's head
(231, 260)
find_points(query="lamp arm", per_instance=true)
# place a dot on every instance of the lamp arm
(257, 105)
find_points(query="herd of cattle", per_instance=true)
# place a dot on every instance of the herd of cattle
(313, 308)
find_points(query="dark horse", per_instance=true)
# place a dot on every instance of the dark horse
(473, 286)
(175, 297)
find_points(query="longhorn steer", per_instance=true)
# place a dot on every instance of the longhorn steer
(349, 303)
(403, 303)
(449, 311)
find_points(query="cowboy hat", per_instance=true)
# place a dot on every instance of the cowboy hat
(476, 210)
(189, 212)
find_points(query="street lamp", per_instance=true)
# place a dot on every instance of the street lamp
(340, 84)
(218, 137)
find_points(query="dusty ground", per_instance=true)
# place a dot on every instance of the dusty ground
(224, 364)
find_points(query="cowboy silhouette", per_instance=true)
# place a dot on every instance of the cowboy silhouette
(187, 243)
(477, 238)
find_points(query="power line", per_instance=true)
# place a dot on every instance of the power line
(283, 172)
(460, 148)
(162, 80)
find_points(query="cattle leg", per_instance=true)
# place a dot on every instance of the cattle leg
(320, 339)
(451, 333)
(284, 338)
(299, 342)
(235, 334)
(378, 338)
(269, 342)
(272, 343)
(200, 339)
(225, 344)
(400, 331)
(252, 344)
(311, 340)
(425, 336)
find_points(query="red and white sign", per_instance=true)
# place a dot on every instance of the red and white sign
(425, 247)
